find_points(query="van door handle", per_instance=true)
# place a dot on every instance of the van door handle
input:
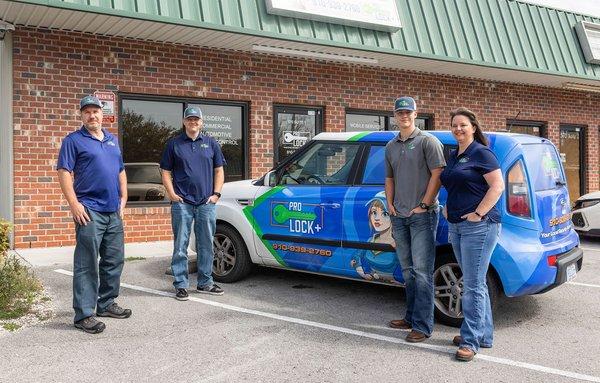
(332, 205)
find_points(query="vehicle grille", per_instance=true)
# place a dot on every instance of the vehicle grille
(578, 220)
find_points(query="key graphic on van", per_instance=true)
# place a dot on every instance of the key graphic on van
(282, 214)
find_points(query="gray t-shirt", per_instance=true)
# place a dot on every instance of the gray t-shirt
(409, 163)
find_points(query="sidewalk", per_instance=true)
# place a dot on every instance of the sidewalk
(48, 256)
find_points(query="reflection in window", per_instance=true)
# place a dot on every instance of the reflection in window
(147, 126)
(322, 164)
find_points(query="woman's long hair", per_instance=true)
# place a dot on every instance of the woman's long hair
(478, 135)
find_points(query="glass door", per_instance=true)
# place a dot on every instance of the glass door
(294, 126)
(571, 154)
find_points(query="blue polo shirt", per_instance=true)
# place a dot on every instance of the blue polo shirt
(192, 163)
(96, 166)
(464, 182)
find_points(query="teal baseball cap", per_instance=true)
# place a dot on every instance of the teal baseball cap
(89, 100)
(192, 111)
(405, 103)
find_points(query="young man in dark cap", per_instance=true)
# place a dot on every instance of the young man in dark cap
(414, 161)
(93, 181)
(193, 175)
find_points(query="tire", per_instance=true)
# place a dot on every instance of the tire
(232, 261)
(448, 296)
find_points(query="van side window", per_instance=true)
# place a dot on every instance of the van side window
(322, 164)
(375, 168)
(447, 150)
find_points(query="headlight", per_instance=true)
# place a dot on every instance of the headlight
(589, 202)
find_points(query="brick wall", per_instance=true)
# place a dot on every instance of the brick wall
(53, 70)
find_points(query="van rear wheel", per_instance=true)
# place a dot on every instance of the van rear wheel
(448, 290)
(231, 260)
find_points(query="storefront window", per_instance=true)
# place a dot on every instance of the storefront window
(371, 121)
(533, 128)
(146, 126)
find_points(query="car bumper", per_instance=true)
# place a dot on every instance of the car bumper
(572, 257)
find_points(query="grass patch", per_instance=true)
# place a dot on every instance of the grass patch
(18, 285)
(11, 326)
(128, 259)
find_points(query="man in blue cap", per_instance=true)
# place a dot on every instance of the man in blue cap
(414, 161)
(193, 175)
(93, 181)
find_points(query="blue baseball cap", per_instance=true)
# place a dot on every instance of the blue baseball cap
(405, 103)
(89, 100)
(192, 111)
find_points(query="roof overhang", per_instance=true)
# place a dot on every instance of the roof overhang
(35, 15)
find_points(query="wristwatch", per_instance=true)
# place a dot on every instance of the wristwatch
(477, 214)
(423, 205)
(217, 194)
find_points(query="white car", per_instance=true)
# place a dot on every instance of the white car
(586, 215)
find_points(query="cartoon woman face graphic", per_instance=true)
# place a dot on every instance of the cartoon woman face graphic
(379, 218)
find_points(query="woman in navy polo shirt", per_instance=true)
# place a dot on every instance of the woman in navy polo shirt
(474, 183)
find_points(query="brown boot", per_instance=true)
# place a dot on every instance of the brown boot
(400, 324)
(465, 354)
(416, 337)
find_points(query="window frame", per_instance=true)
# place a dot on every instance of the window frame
(542, 125)
(428, 117)
(185, 101)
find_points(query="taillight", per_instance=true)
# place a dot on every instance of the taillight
(551, 260)
(518, 192)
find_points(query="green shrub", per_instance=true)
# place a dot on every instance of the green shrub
(18, 286)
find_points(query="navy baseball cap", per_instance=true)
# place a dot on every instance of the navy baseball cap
(192, 111)
(405, 103)
(89, 100)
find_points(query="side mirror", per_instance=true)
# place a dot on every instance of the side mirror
(271, 178)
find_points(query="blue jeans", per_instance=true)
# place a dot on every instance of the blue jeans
(96, 284)
(473, 244)
(205, 222)
(415, 248)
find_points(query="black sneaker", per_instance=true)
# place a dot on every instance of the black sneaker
(212, 290)
(114, 311)
(90, 325)
(182, 295)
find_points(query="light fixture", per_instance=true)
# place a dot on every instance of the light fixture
(5, 27)
(580, 86)
(314, 55)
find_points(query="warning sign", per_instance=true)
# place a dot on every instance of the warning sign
(108, 105)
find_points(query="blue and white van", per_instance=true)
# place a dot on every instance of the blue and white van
(322, 210)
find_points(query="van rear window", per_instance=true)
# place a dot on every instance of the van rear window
(544, 166)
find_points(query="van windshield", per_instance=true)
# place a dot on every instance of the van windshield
(544, 166)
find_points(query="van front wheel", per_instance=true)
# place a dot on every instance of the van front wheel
(232, 261)
(448, 290)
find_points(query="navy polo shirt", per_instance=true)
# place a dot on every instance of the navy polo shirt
(464, 182)
(96, 166)
(192, 163)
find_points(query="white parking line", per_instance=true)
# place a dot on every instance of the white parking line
(584, 284)
(441, 349)
(590, 249)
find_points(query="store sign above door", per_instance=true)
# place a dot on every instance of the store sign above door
(370, 14)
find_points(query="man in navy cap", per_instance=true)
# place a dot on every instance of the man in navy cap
(193, 175)
(93, 181)
(414, 161)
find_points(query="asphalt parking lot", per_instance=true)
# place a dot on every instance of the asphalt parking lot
(284, 326)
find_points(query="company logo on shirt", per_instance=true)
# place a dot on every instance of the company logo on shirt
(110, 143)
(411, 146)
(204, 146)
(463, 160)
